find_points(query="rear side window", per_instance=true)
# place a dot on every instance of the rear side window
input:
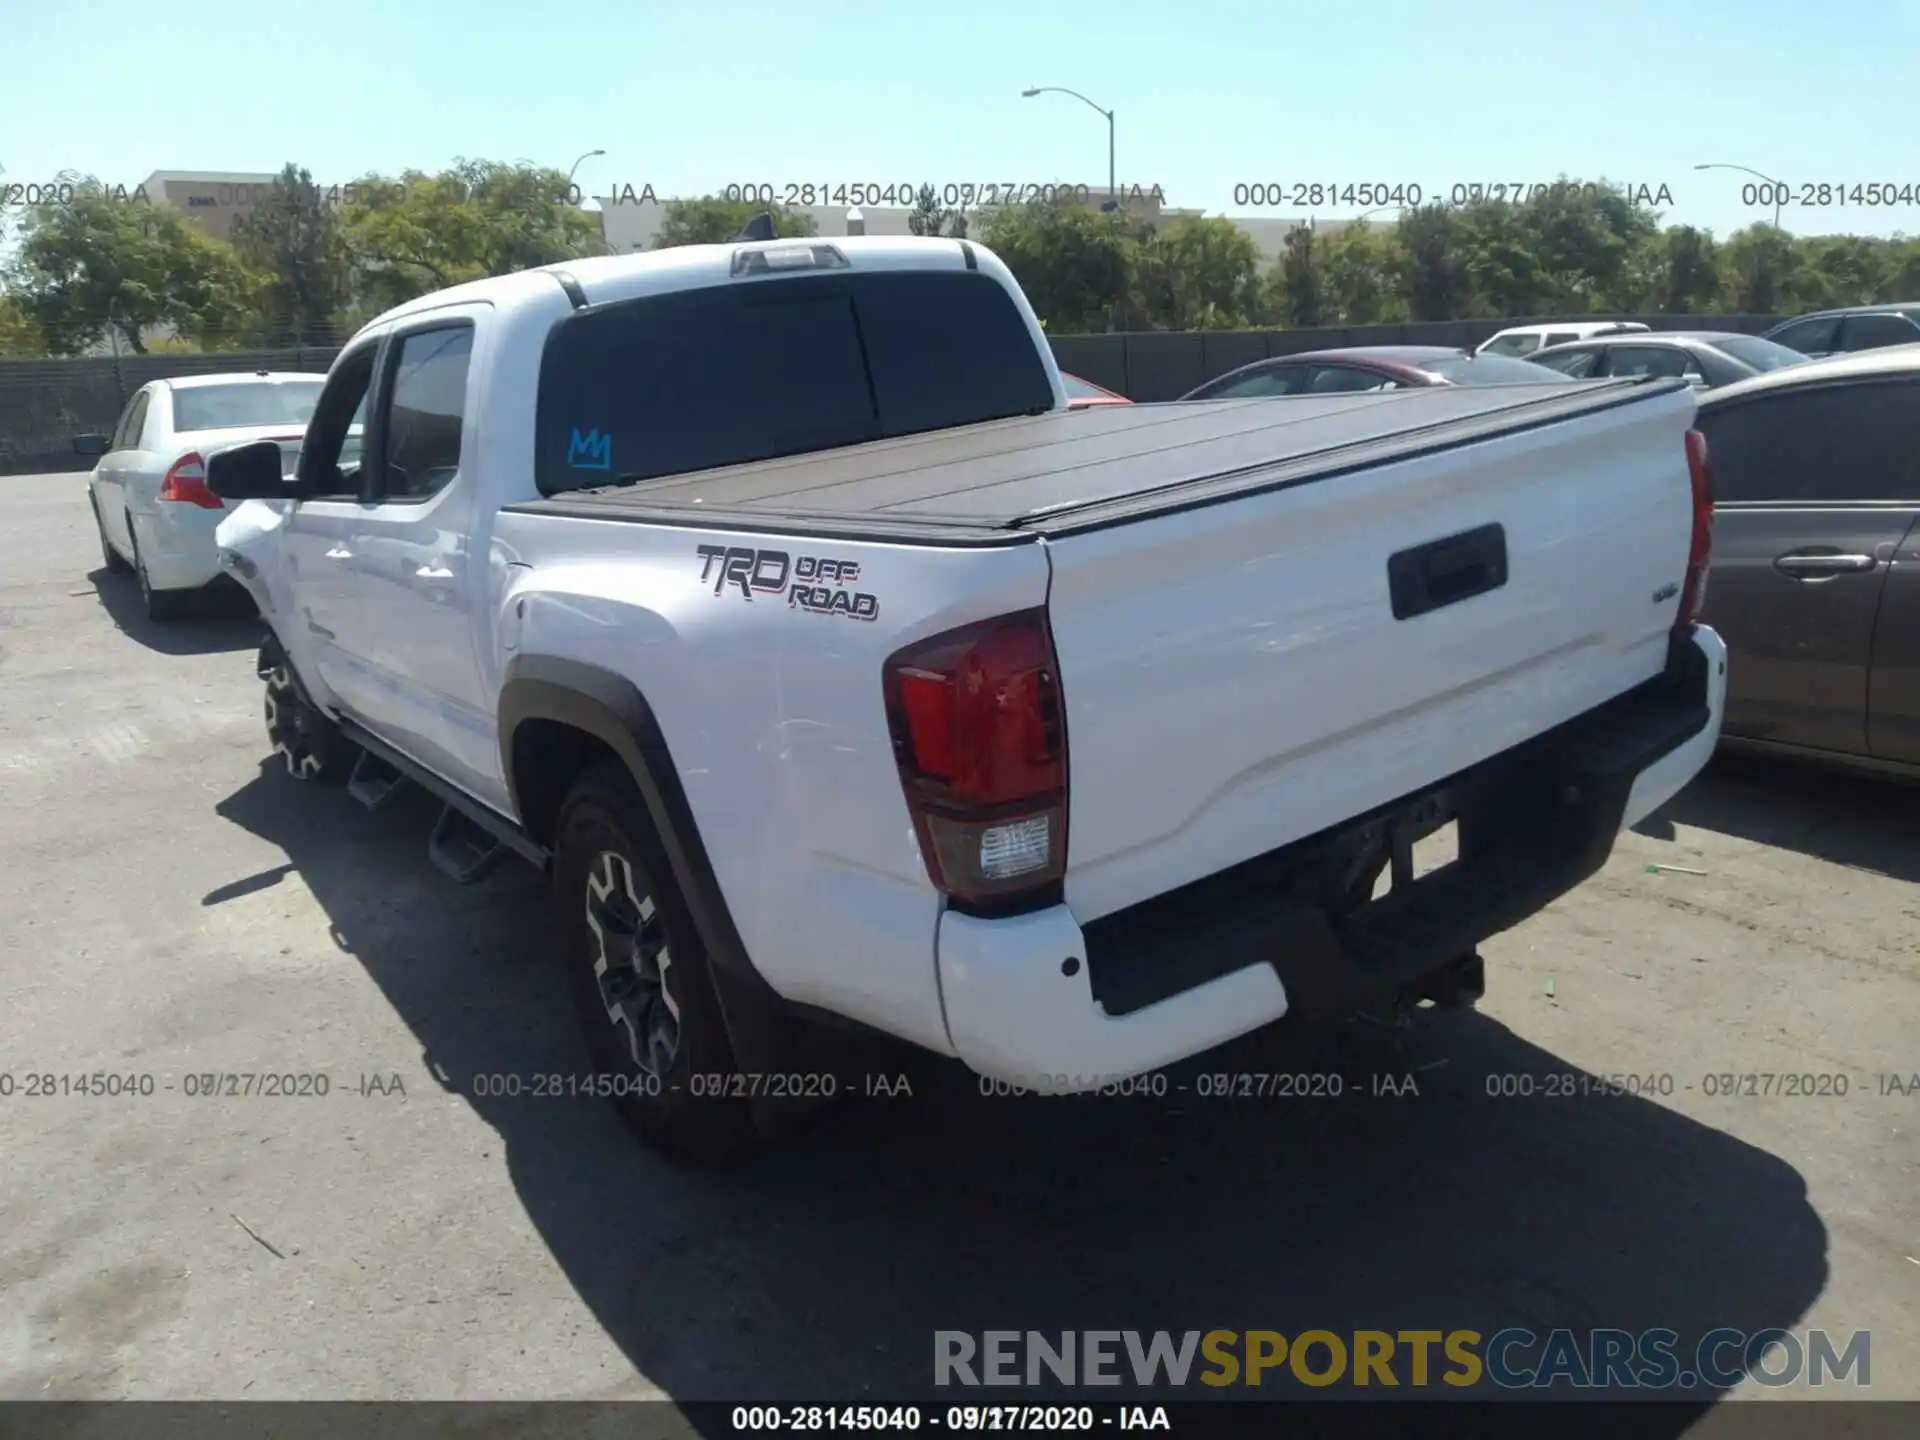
(1650, 360)
(1871, 332)
(1809, 337)
(1575, 363)
(1835, 443)
(758, 369)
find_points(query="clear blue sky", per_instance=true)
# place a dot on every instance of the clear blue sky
(690, 97)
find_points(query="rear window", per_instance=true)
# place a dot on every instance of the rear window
(228, 407)
(1490, 369)
(1760, 354)
(763, 368)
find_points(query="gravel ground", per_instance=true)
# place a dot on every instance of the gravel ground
(171, 905)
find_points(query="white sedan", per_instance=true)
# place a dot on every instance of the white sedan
(149, 490)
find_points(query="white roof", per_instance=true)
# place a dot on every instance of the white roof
(1888, 360)
(241, 377)
(608, 278)
(1580, 326)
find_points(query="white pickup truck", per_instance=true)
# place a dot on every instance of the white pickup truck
(771, 599)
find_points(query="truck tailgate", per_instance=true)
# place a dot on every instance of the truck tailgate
(1242, 673)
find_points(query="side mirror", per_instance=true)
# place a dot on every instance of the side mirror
(251, 472)
(92, 446)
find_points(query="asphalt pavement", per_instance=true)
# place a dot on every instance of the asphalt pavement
(172, 906)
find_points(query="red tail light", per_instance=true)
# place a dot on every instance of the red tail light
(1693, 593)
(980, 737)
(186, 482)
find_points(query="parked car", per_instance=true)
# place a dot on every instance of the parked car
(1859, 327)
(1519, 340)
(1705, 358)
(148, 491)
(1816, 558)
(1382, 367)
(834, 667)
(1081, 394)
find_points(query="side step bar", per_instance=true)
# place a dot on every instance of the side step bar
(468, 839)
(462, 849)
(374, 783)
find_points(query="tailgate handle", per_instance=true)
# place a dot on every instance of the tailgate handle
(1445, 572)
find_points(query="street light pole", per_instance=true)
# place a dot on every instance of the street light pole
(576, 165)
(1113, 185)
(1778, 189)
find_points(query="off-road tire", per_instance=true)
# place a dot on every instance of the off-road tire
(312, 746)
(115, 562)
(636, 968)
(161, 605)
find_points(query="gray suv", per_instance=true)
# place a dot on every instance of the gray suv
(1862, 327)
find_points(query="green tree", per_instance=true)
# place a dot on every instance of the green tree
(1760, 266)
(413, 235)
(930, 217)
(1838, 270)
(1075, 264)
(100, 264)
(290, 237)
(1690, 280)
(1434, 275)
(19, 332)
(710, 220)
(1298, 286)
(1362, 267)
(1500, 262)
(1196, 274)
(1584, 240)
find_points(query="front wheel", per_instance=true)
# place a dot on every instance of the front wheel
(647, 1006)
(311, 744)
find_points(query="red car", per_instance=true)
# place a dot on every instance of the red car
(1379, 367)
(1084, 394)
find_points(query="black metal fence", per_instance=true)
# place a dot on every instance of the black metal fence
(45, 403)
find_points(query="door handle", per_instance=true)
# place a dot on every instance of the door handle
(1796, 564)
(339, 552)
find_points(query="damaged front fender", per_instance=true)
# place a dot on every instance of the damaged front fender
(250, 551)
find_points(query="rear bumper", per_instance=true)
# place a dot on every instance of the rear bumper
(1040, 1001)
(177, 544)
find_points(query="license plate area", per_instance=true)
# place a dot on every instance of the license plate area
(1383, 859)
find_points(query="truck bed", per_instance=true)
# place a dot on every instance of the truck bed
(1011, 481)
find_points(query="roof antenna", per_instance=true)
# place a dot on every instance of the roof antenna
(760, 227)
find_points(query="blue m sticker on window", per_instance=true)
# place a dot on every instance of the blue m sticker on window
(591, 451)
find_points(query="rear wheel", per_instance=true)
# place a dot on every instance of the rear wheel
(161, 605)
(647, 1006)
(311, 744)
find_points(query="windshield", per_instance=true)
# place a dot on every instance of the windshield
(1760, 354)
(258, 402)
(1489, 368)
(1512, 345)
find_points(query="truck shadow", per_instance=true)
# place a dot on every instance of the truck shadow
(1865, 822)
(822, 1268)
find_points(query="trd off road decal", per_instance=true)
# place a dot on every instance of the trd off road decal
(813, 583)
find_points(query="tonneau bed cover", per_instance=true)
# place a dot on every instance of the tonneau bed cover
(1010, 481)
